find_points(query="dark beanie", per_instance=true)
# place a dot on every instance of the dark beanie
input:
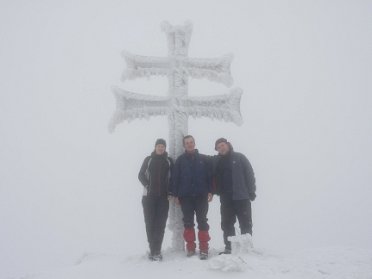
(160, 141)
(219, 141)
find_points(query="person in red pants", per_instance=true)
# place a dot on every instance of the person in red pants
(192, 188)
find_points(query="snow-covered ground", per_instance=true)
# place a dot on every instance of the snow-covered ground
(324, 263)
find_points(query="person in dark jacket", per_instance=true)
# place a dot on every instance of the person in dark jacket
(192, 188)
(236, 185)
(155, 175)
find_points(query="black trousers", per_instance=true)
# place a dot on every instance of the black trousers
(192, 206)
(232, 210)
(155, 209)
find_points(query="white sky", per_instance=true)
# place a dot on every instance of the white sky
(67, 186)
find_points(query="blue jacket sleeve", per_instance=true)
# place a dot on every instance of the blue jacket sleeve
(209, 164)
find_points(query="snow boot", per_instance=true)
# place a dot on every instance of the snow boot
(189, 236)
(203, 244)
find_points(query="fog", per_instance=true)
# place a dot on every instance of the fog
(69, 187)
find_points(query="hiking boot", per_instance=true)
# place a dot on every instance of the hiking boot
(157, 258)
(203, 255)
(190, 253)
(227, 251)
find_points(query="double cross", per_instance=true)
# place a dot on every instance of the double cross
(177, 105)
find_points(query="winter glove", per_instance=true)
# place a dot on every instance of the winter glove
(252, 196)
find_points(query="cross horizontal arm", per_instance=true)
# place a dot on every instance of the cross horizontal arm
(144, 66)
(214, 69)
(131, 105)
(223, 107)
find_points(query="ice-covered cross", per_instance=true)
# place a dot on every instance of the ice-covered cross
(177, 105)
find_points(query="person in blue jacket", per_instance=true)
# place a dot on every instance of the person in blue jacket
(192, 188)
(235, 183)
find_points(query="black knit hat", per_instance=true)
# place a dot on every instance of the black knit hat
(161, 141)
(219, 141)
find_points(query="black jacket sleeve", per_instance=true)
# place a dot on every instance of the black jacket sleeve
(142, 173)
(175, 176)
(249, 175)
(170, 182)
(214, 162)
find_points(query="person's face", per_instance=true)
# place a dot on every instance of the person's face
(223, 148)
(189, 144)
(159, 149)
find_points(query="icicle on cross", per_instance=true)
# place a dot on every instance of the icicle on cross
(178, 106)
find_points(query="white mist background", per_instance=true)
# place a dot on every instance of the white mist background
(68, 187)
